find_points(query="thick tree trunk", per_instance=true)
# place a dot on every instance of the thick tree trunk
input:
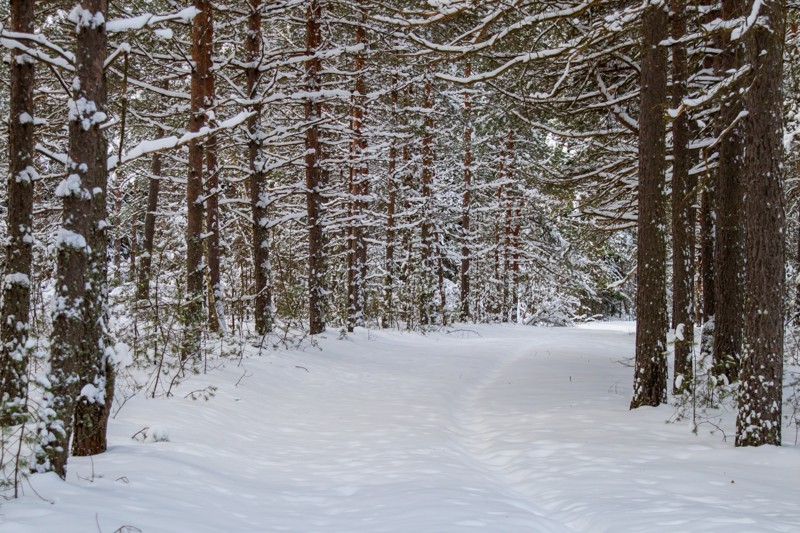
(729, 238)
(760, 392)
(201, 55)
(314, 178)
(80, 370)
(683, 213)
(258, 193)
(650, 377)
(15, 319)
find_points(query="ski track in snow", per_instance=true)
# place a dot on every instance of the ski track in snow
(492, 428)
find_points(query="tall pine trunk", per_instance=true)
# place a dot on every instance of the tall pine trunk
(79, 365)
(466, 201)
(428, 270)
(15, 314)
(683, 213)
(145, 273)
(202, 33)
(391, 223)
(356, 242)
(216, 304)
(258, 193)
(729, 237)
(759, 417)
(314, 178)
(650, 377)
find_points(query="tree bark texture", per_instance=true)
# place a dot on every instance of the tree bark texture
(683, 213)
(729, 237)
(15, 318)
(216, 304)
(427, 274)
(79, 375)
(760, 391)
(258, 186)
(466, 201)
(650, 377)
(358, 185)
(202, 34)
(314, 178)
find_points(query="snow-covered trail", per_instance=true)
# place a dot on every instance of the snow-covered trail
(493, 428)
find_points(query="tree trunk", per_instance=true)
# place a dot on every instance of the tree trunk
(356, 243)
(15, 321)
(428, 290)
(728, 253)
(391, 223)
(707, 250)
(650, 377)
(258, 193)
(146, 261)
(507, 229)
(466, 200)
(201, 55)
(79, 365)
(314, 178)
(216, 304)
(760, 392)
(683, 215)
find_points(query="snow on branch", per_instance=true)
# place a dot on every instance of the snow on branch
(520, 59)
(16, 41)
(168, 143)
(139, 22)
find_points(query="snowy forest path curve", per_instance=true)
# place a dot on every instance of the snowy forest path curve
(490, 428)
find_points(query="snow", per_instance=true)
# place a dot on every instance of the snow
(493, 428)
(70, 238)
(85, 112)
(92, 393)
(156, 145)
(69, 186)
(17, 278)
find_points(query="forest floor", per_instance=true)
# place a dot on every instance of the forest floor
(494, 428)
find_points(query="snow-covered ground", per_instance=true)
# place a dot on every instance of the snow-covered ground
(494, 428)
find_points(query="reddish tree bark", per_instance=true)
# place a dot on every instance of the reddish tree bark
(80, 374)
(258, 194)
(314, 178)
(202, 33)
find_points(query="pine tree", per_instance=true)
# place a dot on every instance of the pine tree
(80, 376)
(760, 394)
(650, 373)
(14, 317)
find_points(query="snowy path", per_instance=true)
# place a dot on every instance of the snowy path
(518, 430)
